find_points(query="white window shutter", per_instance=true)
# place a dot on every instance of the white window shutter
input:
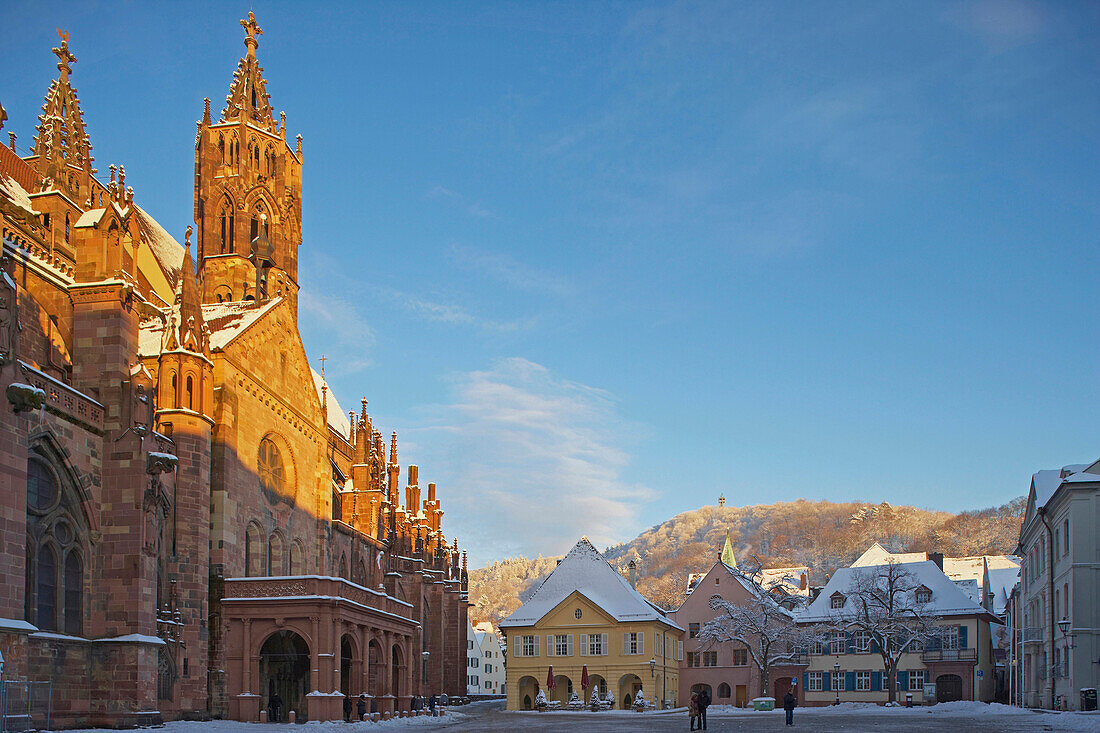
(517, 642)
(536, 638)
(584, 645)
(641, 642)
(679, 651)
(569, 645)
(550, 650)
(603, 644)
(626, 643)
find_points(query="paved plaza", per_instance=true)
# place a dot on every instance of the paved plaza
(966, 718)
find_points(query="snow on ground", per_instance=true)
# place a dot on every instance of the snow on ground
(1072, 722)
(332, 726)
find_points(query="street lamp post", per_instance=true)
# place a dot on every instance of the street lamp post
(836, 681)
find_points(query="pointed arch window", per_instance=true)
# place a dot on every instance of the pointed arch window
(253, 551)
(74, 593)
(46, 588)
(54, 590)
(221, 147)
(296, 566)
(190, 387)
(174, 396)
(67, 228)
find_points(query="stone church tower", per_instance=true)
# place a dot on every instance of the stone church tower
(248, 192)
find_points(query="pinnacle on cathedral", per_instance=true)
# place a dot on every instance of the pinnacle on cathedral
(248, 94)
(61, 144)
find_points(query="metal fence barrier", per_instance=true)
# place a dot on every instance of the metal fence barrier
(25, 705)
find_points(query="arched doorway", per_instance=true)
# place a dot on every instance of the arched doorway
(949, 688)
(598, 683)
(699, 687)
(348, 666)
(375, 670)
(527, 690)
(779, 689)
(284, 671)
(629, 685)
(396, 660)
(563, 688)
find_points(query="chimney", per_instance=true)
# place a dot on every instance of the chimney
(936, 557)
(815, 591)
(633, 574)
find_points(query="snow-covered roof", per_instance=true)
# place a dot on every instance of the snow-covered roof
(1001, 583)
(90, 218)
(947, 598)
(227, 321)
(586, 571)
(1045, 483)
(794, 581)
(11, 190)
(876, 554)
(337, 418)
(166, 249)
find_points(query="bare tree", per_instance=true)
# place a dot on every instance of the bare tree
(885, 604)
(761, 625)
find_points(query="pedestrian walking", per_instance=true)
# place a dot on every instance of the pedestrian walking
(347, 709)
(276, 705)
(431, 703)
(693, 709)
(361, 706)
(704, 703)
(789, 703)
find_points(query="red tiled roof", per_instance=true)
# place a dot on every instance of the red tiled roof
(15, 167)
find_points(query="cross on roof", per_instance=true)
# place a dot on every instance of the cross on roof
(251, 29)
(323, 360)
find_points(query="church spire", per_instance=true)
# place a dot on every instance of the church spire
(61, 152)
(727, 552)
(248, 97)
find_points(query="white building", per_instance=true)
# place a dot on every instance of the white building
(1059, 599)
(492, 677)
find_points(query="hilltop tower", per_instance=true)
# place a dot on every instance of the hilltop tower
(248, 192)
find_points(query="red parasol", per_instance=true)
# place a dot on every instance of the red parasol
(584, 677)
(550, 678)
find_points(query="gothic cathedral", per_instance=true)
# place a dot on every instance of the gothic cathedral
(191, 526)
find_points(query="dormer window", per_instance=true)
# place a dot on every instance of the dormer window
(924, 595)
(836, 600)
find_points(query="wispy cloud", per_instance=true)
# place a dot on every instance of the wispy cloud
(451, 313)
(335, 316)
(472, 207)
(535, 461)
(505, 269)
(1001, 24)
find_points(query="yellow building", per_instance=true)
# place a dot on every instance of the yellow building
(586, 615)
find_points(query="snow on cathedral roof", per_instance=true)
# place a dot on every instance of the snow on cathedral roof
(165, 248)
(586, 571)
(337, 418)
(227, 321)
(947, 598)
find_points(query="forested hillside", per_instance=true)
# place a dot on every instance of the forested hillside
(823, 535)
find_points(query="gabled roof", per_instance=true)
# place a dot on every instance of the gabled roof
(337, 418)
(1001, 583)
(227, 321)
(585, 570)
(947, 598)
(876, 554)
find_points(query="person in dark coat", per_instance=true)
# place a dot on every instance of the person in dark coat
(789, 703)
(347, 709)
(276, 704)
(431, 704)
(361, 706)
(704, 703)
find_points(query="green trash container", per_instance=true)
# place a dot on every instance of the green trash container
(763, 703)
(1088, 698)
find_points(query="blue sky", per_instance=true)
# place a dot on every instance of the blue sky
(598, 262)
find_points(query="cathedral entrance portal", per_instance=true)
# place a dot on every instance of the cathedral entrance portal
(284, 671)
